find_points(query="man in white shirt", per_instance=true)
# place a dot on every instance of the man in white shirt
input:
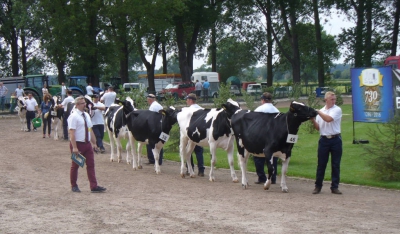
(63, 91)
(109, 97)
(259, 162)
(31, 107)
(19, 92)
(198, 150)
(198, 86)
(156, 107)
(64, 105)
(89, 90)
(3, 93)
(98, 121)
(83, 141)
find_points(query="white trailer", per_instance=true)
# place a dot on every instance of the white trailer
(160, 80)
(211, 77)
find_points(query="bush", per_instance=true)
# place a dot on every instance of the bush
(385, 164)
(224, 94)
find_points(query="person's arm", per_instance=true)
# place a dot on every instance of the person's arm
(73, 141)
(316, 125)
(93, 139)
(102, 107)
(325, 117)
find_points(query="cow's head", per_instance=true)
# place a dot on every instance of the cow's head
(170, 118)
(231, 107)
(89, 105)
(301, 111)
(21, 102)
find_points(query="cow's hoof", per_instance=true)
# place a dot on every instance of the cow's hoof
(182, 175)
(158, 172)
(127, 162)
(285, 190)
(266, 187)
(140, 167)
(193, 176)
(212, 179)
(235, 180)
(245, 186)
(134, 168)
(111, 160)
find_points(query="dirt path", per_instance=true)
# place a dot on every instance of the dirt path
(36, 198)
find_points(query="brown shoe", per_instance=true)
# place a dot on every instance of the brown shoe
(316, 190)
(336, 191)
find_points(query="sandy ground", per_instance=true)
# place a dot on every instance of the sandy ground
(36, 198)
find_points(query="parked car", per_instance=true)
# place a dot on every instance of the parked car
(254, 89)
(177, 90)
(235, 90)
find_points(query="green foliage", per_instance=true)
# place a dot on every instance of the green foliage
(385, 164)
(224, 94)
(312, 101)
(173, 142)
(250, 100)
(138, 96)
(295, 93)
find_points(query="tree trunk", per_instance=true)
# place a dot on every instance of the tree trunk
(183, 63)
(368, 37)
(14, 53)
(164, 57)
(320, 53)
(295, 47)
(23, 55)
(213, 49)
(61, 74)
(123, 63)
(270, 43)
(395, 29)
(149, 66)
(358, 50)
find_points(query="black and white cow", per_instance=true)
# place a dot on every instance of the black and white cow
(57, 115)
(151, 128)
(209, 128)
(115, 122)
(269, 135)
(21, 109)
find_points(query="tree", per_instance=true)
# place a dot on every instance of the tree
(396, 16)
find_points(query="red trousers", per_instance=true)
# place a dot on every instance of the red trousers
(86, 150)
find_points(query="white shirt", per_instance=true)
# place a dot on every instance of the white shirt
(198, 86)
(76, 121)
(195, 107)
(98, 118)
(109, 98)
(63, 90)
(267, 108)
(19, 92)
(66, 101)
(333, 127)
(155, 106)
(31, 104)
(89, 90)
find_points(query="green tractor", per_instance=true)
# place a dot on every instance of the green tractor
(35, 83)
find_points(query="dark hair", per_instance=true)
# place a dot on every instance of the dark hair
(69, 91)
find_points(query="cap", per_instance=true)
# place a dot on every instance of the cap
(191, 96)
(96, 96)
(266, 96)
(151, 95)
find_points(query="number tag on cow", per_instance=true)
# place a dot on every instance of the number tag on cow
(164, 136)
(292, 138)
(53, 113)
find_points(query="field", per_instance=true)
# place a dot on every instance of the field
(36, 198)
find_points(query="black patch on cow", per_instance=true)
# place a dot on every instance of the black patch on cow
(198, 126)
(221, 125)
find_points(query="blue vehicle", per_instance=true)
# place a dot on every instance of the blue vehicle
(78, 85)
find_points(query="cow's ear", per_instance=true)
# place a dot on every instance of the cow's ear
(162, 112)
(223, 106)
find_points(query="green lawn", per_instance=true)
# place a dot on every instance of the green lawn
(303, 163)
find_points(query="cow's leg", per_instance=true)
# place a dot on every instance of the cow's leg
(213, 151)
(285, 165)
(243, 156)
(230, 160)
(268, 156)
(188, 154)
(137, 157)
(182, 152)
(119, 148)
(112, 144)
(156, 152)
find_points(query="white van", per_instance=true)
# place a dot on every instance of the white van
(129, 87)
(211, 77)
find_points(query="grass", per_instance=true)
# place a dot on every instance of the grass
(303, 163)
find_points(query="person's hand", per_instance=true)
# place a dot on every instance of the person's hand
(75, 150)
(94, 108)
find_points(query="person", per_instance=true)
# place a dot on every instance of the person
(3, 93)
(156, 107)
(259, 162)
(89, 90)
(19, 92)
(206, 86)
(64, 104)
(45, 108)
(63, 91)
(109, 97)
(83, 141)
(31, 107)
(45, 90)
(328, 124)
(198, 86)
(198, 150)
(98, 122)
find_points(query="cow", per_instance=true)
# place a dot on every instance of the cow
(21, 109)
(57, 115)
(115, 122)
(268, 134)
(210, 128)
(151, 128)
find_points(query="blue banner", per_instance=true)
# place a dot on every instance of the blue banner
(372, 92)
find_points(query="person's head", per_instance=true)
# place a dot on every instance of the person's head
(96, 98)
(80, 103)
(266, 98)
(151, 98)
(19, 86)
(197, 80)
(90, 84)
(44, 85)
(330, 99)
(191, 99)
(69, 92)
(1, 83)
(110, 88)
(29, 95)
(46, 97)
(62, 83)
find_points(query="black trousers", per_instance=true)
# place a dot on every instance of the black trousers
(259, 163)
(30, 115)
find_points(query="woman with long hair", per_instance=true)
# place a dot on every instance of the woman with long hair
(46, 116)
